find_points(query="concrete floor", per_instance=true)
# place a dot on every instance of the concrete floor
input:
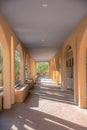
(46, 107)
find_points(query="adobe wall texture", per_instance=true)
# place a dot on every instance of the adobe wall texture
(10, 42)
(58, 69)
(78, 43)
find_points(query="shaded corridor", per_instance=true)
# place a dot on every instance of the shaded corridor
(46, 107)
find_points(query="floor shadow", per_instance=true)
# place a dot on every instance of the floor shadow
(33, 95)
(53, 92)
(21, 117)
(24, 116)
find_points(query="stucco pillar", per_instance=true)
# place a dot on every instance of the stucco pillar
(12, 71)
(75, 75)
(6, 79)
(82, 80)
(59, 75)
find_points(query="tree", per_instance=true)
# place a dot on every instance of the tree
(42, 67)
(17, 64)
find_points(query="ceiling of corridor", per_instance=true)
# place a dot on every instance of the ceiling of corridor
(43, 29)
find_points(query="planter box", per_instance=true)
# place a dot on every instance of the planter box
(31, 84)
(35, 79)
(20, 94)
(1, 100)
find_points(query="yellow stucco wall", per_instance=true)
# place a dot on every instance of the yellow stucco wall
(57, 66)
(78, 43)
(9, 43)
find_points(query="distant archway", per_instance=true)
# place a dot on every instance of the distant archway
(27, 67)
(20, 67)
(17, 65)
(69, 68)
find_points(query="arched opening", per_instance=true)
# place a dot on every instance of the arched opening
(1, 68)
(17, 65)
(42, 69)
(69, 69)
(27, 68)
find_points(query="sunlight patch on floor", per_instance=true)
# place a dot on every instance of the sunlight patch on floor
(28, 127)
(57, 123)
(14, 127)
(29, 121)
(54, 102)
(20, 116)
(45, 80)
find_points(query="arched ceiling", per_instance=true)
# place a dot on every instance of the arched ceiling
(43, 30)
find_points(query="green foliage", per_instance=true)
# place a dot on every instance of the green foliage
(42, 67)
(17, 64)
(26, 70)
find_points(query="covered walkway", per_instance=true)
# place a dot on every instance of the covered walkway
(47, 107)
(52, 32)
(35, 31)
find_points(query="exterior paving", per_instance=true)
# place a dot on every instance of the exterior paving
(46, 107)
